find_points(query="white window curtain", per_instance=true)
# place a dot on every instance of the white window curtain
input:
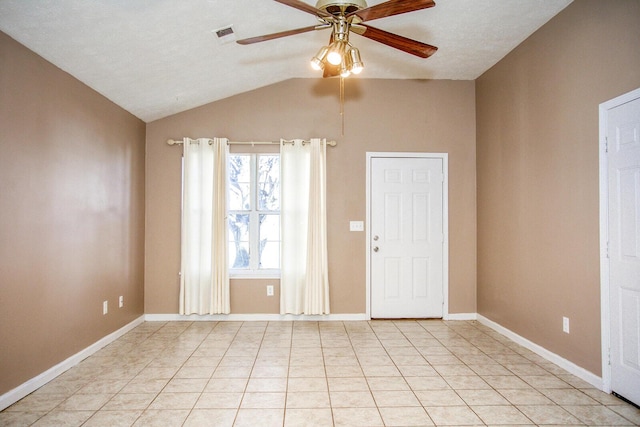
(304, 278)
(204, 279)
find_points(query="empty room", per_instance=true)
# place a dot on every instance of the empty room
(332, 213)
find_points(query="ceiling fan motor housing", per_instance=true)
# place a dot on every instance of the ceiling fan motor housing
(339, 7)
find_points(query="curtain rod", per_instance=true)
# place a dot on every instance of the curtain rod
(330, 143)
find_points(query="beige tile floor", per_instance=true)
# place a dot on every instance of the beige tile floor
(391, 373)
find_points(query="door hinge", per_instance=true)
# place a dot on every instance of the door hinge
(607, 249)
(606, 144)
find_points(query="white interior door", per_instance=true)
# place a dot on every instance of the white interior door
(623, 136)
(406, 237)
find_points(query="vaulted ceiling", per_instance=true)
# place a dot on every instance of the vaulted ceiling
(155, 58)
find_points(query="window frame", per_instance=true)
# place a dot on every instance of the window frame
(253, 271)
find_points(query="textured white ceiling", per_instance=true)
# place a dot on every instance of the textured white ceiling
(159, 57)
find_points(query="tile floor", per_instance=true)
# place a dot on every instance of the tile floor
(378, 373)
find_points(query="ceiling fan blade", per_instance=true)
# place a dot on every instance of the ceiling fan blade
(297, 4)
(266, 37)
(404, 44)
(390, 8)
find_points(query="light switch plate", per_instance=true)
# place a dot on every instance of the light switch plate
(356, 225)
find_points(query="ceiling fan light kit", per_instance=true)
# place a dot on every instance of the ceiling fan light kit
(356, 63)
(339, 57)
(317, 62)
(336, 52)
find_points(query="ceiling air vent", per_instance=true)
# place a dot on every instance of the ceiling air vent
(225, 34)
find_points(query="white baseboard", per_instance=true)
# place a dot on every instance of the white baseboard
(12, 396)
(460, 316)
(265, 317)
(279, 317)
(571, 367)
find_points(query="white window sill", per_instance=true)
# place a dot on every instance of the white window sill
(254, 275)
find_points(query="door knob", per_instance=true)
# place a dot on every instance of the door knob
(375, 237)
(375, 249)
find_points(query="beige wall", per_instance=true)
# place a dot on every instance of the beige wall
(71, 215)
(537, 114)
(380, 115)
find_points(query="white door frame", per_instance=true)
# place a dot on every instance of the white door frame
(604, 234)
(445, 222)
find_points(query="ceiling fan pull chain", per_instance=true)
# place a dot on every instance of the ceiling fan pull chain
(342, 102)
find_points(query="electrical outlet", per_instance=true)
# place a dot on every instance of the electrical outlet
(121, 301)
(565, 325)
(269, 290)
(105, 307)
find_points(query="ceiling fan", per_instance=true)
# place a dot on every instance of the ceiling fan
(339, 57)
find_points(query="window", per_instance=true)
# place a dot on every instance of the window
(254, 214)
